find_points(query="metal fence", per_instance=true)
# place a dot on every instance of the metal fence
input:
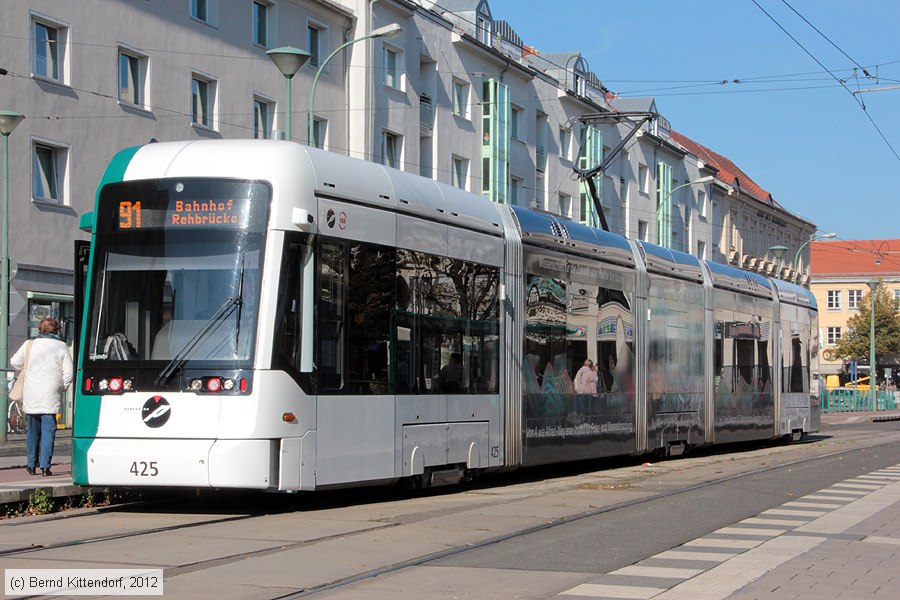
(840, 400)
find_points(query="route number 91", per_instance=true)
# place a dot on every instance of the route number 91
(144, 469)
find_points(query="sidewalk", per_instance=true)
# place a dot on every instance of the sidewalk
(16, 485)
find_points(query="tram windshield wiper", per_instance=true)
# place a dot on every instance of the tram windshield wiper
(182, 355)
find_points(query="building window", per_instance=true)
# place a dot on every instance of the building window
(48, 170)
(515, 120)
(853, 299)
(484, 30)
(260, 24)
(460, 172)
(203, 98)
(49, 50)
(262, 119)
(643, 231)
(565, 140)
(392, 75)
(391, 145)
(897, 299)
(132, 78)
(701, 203)
(314, 38)
(460, 98)
(320, 128)
(565, 205)
(833, 335)
(643, 179)
(701, 250)
(204, 11)
(834, 299)
(515, 190)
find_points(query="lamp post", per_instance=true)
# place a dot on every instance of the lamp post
(288, 60)
(815, 236)
(873, 284)
(387, 32)
(778, 251)
(8, 121)
(668, 198)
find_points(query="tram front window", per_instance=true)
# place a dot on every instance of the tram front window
(177, 273)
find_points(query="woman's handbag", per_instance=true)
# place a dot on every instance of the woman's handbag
(18, 389)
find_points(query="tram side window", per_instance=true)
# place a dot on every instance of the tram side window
(545, 365)
(286, 351)
(446, 333)
(370, 301)
(332, 286)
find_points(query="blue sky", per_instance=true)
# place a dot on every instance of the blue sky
(814, 149)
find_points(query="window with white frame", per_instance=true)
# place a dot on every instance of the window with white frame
(205, 11)
(460, 102)
(132, 77)
(643, 231)
(460, 172)
(391, 146)
(320, 129)
(565, 205)
(853, 299)
(701, 203)
(203, 101)
(701, 250)
(897, 299)
(833, 335)
(260, 23)
(833, 299)
(643, 179)
(315, 39)
(49, 50)
(484, 29)
(263, 115)
(565, 141)
(48, 172)
(393, 75)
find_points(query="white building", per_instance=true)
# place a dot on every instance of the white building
(457, 96)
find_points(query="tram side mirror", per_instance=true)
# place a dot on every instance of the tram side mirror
(86, 222)
(301, 218)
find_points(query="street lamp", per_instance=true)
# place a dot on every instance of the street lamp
(778, 251)
(872, 283)
(288, 60)
(815, 236)
(667, 199)
(387, 32)
(8, 122)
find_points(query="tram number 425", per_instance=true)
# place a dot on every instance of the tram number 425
(144, 469)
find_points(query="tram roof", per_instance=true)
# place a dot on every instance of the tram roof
(728, 277)
(795, 294)
(671, 262)
(549, 231)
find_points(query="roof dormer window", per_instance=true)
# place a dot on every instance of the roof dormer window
(483, 23)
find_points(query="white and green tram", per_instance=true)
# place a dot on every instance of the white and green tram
(264, 315)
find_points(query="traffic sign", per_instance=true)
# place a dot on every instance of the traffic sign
(16, 303)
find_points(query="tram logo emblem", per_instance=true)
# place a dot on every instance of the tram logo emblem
(156, 411)
(332, 218)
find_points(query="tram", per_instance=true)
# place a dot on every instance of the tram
(265, 315)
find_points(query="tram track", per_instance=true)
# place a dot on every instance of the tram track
(200, 565)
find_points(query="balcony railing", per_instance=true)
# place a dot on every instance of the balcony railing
(426, 114)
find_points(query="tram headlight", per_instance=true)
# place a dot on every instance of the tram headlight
(228, 384)
(196, 385)
(115, 385)
(103, 385)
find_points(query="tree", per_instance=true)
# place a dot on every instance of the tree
(855, 343)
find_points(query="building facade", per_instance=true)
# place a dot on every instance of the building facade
(840, 270)
(457, 96)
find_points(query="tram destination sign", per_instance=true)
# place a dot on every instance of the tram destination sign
(136, 215)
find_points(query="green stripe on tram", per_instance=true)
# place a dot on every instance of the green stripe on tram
(86, 414)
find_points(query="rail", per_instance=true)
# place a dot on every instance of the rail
(840, 400)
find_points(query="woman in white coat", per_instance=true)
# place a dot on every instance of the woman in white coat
(47, 376)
